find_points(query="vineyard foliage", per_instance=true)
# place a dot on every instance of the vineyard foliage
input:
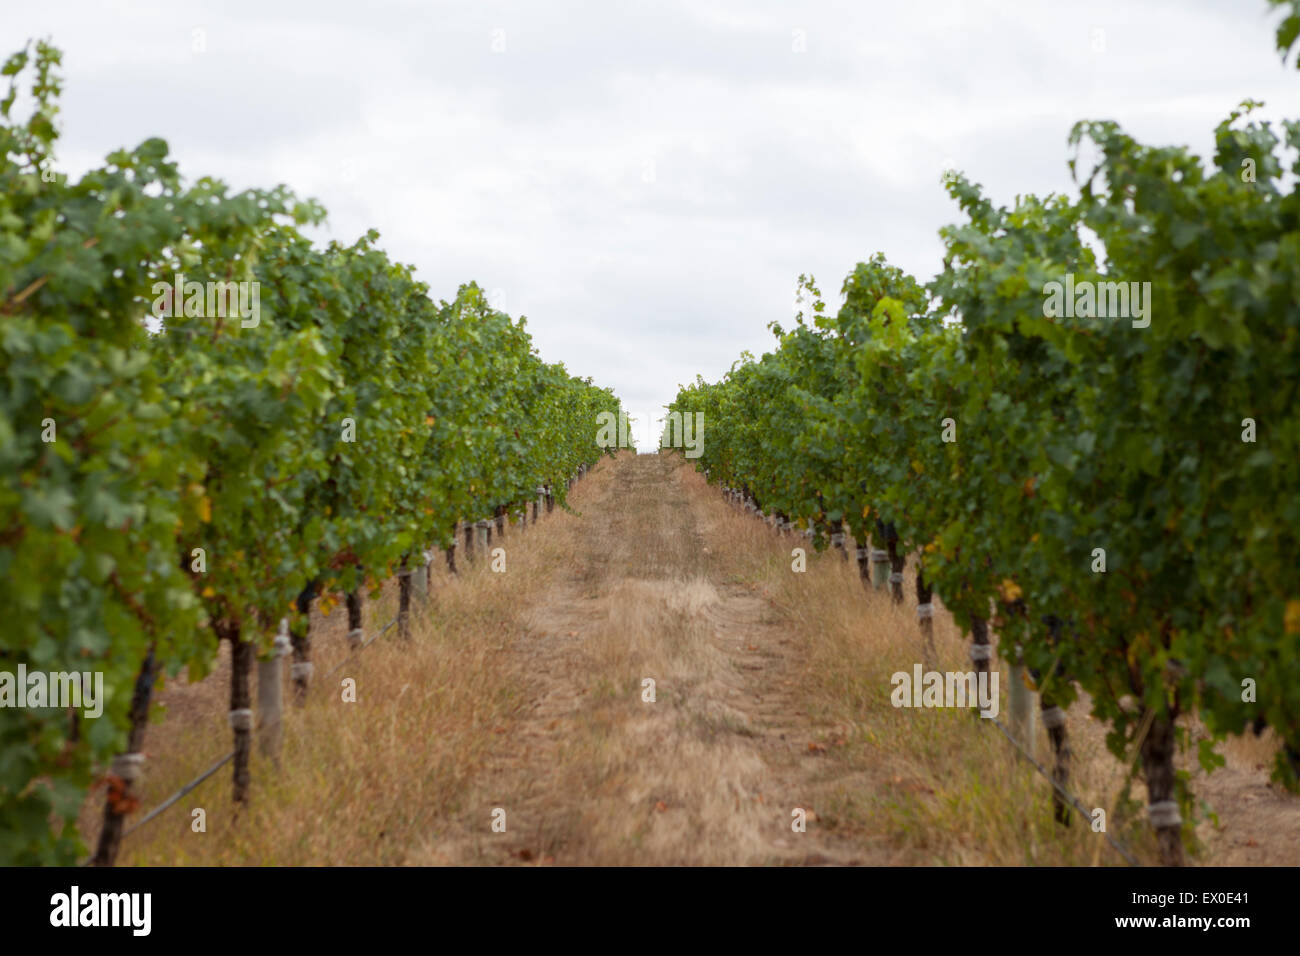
(1009, 447)
(166, 480)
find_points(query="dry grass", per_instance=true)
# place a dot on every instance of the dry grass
(946, 787)
(523, 691)
(364, 782)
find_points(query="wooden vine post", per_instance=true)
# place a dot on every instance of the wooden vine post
(128, 768)
(270, 696)
(1020, 707)
(355, 616)
(241, 707)
(404, 602)
(925, 617)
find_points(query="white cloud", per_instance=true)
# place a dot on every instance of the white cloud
(646, 181)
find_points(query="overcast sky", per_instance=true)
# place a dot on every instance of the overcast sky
(645, 181)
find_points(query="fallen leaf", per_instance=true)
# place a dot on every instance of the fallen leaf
(1291, 617)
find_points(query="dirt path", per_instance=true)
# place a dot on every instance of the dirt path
(590, 773)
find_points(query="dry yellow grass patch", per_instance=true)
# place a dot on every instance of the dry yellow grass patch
(360, 783)
(944, 786)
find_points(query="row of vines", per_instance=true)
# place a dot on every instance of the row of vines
(1117, 494)
(175, 476)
